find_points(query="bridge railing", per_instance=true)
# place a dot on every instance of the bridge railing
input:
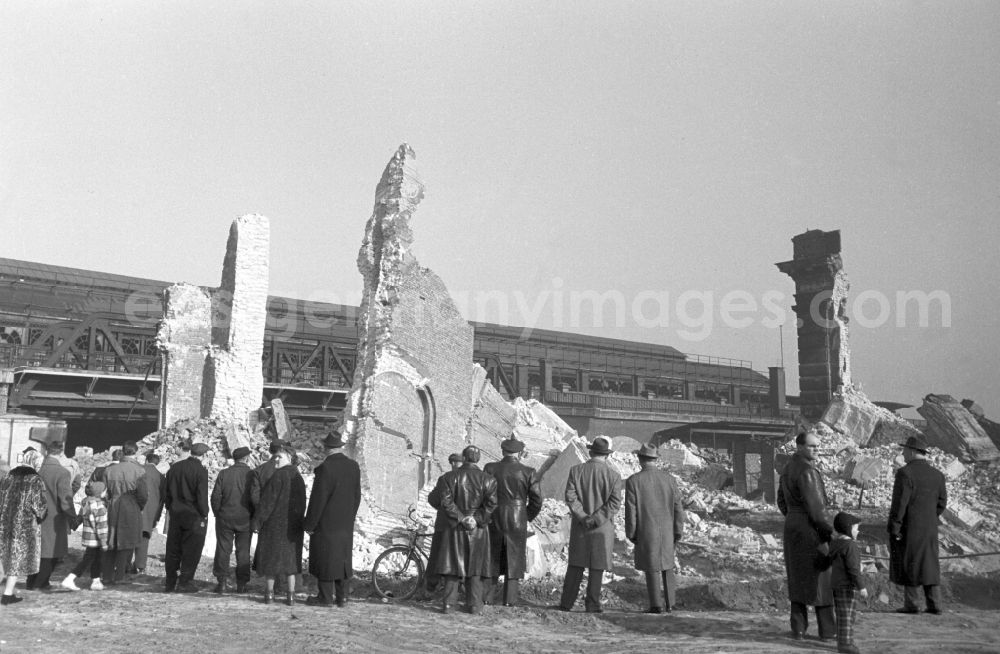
(643, 405)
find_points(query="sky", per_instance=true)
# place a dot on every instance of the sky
(651, 159)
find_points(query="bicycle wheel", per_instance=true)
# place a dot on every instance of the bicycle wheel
(397, 573)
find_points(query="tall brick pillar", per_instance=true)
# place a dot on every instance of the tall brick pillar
(821, 288)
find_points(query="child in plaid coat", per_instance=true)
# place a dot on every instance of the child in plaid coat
(94, 516)
(845, 557)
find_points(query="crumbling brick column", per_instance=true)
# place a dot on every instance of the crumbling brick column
(212, 340)
(821, 288)
(239, 308)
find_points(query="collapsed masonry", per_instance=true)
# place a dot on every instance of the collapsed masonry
(821, 288)
(211, 339)
(417, 396)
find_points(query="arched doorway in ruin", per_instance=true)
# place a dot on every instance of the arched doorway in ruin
(398, 453)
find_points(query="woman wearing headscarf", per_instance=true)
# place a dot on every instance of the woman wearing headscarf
(278, 522)
(22, 510)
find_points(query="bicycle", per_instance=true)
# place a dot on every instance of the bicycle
(398, 572)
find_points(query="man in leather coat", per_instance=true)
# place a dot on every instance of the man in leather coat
(519, 499)
(802, 500)
(468, 497)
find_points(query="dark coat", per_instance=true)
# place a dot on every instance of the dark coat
(333, 506)
(802, 500)
(259, 479)
(156, 490)
(654, 518)
(519, 499)
(186, 498)
(594, 495)
(278, 521)
(918, 498)
(467, 491)
(22, 509)
(231, 497)
(440, 525)
(61, 516)
(126, 498)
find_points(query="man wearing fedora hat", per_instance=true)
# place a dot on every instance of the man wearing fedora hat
(919, 496)
(654, 521)
(519, 499)
(594, 495)
(333, 506)
(231, 506)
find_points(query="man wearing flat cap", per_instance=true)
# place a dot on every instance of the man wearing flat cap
(594, 495)
(231, 506)
(919, 496)
(519, 499)
(186, 502)
(329, 521)
(654, 521)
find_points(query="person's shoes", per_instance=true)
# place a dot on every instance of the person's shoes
(289, 599)
(559, 607)
(848, 649)
(340, 603)
(933, 611)
(132, 570)
(221, 587)
(241, 588)
(446, 608)
(511, 603)
(268, 597)
(595, 609)
(907, 609)
(655, 609)
(68, 584)
(9, 599)
(96, 585)
(798, 635)
(316, 600)
(45, 589)
(186, 588)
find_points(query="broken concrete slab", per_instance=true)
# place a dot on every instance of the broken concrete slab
(952, 428)
(953, 470)
(555, 474)
(853, 415)
(283, 427)
(862, 469)
(962, 515)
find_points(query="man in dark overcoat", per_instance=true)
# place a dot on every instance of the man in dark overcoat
(259, 479)
(654, 521)
(126, 498)
(231, 505)
(468, 497)
(187, 504)
(60, 519)
(919, 496)
(440, 523)
(156, 489)
(594, 495)
(519, 499)
(329, 521)
(802, 500)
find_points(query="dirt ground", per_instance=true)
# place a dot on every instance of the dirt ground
(718, 615)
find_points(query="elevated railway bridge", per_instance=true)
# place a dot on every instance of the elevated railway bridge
(80, 346)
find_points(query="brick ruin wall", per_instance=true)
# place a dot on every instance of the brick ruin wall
(211, 340)
(410, 399)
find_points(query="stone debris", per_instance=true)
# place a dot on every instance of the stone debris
(952, 428)
(963, 515)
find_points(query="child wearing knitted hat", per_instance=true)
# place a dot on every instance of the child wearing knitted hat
(846, 579)
(94, 518)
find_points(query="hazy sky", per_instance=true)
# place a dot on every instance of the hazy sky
(661, 154)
